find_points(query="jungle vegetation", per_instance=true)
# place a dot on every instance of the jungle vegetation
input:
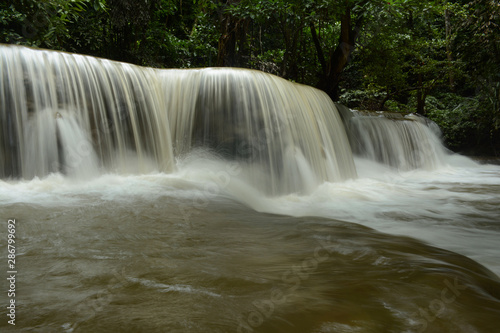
(438, 58)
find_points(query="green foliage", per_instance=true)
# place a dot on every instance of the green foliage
(40, 23)
(463, 121)
(10, 19)
(362, 99)
(440, 57)
(269, 61)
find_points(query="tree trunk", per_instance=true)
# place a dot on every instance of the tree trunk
(291, 35)
(233, 31)
(420, 96)
(226, 51)
(449, 55)
(319, 50)
(339, 58)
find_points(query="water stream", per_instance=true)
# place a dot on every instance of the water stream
(226, 200)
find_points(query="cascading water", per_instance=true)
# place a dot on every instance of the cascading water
(289, 137)
(115, 111)
(228, 200)
(402, 142)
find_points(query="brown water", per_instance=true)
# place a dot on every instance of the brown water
(152, 254)
(223, 200)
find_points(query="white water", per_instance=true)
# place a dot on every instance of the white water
(135, 120)
(277, 147)
(406, 143)
(205, 191)
(455, 207)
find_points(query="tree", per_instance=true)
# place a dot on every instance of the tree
(479, 44)
(39, 23)
(339, 54)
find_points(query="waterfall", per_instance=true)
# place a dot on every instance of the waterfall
(404, 142)
(82, 116)
(115, 110)
(289, 137)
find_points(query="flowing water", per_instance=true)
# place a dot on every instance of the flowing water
(223, 200)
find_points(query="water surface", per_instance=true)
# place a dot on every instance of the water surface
(193, 252)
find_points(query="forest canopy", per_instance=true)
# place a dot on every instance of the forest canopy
(438, 58)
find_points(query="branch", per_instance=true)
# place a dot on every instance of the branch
(319, 50)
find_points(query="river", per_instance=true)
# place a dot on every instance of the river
(223, 200)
